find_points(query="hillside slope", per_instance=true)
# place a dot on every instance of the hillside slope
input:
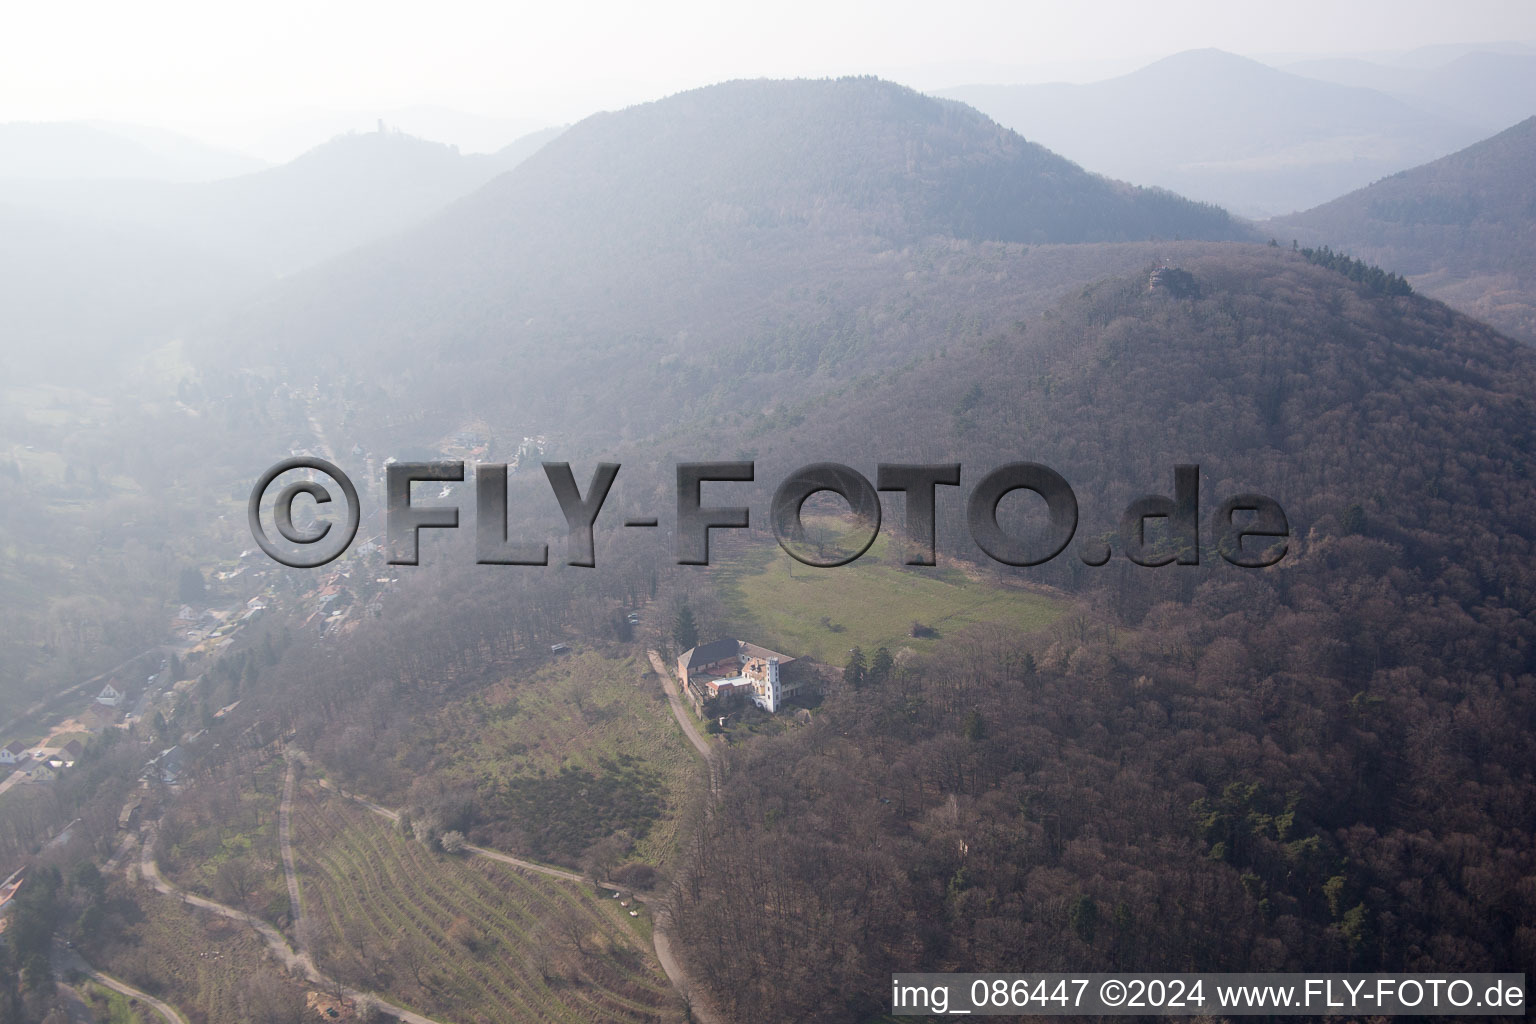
(697, 246)
(103, 271)
(1324, 765)
(1462, 228)
(352, 190)
(1321, 766)
(76, 293)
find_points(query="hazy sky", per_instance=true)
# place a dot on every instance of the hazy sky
(183, 62)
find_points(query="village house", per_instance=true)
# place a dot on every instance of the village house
(13, 754)
(724, 668)
(254, 609)
(110, 696)
(166, 765)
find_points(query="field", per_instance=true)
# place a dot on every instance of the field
(570, 754)
(463, 938)
(871, 603)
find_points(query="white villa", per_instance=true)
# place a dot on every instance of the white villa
(725, 667)
(110, 695)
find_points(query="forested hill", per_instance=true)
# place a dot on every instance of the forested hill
(1271, 371)
(852, 156)
(1324, 765)
(639, 240)
(1463, 228)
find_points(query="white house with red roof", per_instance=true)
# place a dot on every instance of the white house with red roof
(729, 666)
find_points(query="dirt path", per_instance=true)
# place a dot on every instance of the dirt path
(702, 1012)
(478, 851)
(675, 698)
(375, 808)
(506, 858)
(285, 954)
(285, 844)
(700, 1008)
(120, 856)
(73, 959)
(690, 729)
(150, 871)
(669, 963)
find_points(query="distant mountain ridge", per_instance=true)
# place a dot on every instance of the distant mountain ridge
(102, 150)
(353, 189)
(1491, 90)
(1226, 129)
(106, 268)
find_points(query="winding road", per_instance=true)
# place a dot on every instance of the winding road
(284, 844)
(299, 960)
(700, 1008)
(69, 958)
(670, 965)
(479, 851)
(293, 959)
(675, 698)
(690, 730)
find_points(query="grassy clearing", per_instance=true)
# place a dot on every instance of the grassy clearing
(870, 603)
(113, 1007)
(465, 938)
(567, 755)
(59, 739)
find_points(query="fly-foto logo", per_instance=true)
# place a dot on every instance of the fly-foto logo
(1247, 530)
